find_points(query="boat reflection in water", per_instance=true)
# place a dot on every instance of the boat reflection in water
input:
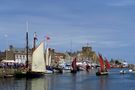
(68, 81)
(24, 84)
(36, 84)
(103, 82)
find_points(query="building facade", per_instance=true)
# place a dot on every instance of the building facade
(87, 54)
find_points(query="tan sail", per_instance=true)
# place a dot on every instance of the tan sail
(38, 62)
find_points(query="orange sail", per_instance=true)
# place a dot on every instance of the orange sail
(101, 62)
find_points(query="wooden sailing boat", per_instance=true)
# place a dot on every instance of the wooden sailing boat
(38, 63)
(74, 66)
(49, 68)
(102, 70)
(37, 66)
(107, 65)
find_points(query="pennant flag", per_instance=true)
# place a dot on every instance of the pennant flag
(47, 37)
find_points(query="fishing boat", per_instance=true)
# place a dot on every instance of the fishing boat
(103, 69)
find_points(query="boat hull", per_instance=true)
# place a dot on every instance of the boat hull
(57, 70)
(8, 76)
(66, 70)
(34, 74)
(28, 74)
(101, 73)
(49, 72)
(73, 71)
(19, 74)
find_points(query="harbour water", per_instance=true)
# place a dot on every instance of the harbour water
(67, 81)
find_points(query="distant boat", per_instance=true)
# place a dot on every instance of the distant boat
(130, 70)
(49, 68)
(74, 66)
(102, 70)
(123, 72)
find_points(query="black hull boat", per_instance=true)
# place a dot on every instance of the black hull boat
(101, 73)
(103, 70)
(73, 71)
(29, 74)
(34, 74)
(37, 67)
(19, 74)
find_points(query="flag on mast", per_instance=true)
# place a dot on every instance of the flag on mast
(35, 36)
(47, 37)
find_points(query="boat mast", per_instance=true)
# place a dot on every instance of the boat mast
(34, 41)
(71, 50)
(27, 45)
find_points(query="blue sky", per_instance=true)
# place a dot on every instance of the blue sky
(107, 25)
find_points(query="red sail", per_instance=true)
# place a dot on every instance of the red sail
(101, 62)
(107, 64)
(74, 64)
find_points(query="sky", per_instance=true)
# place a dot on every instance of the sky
(107, 25)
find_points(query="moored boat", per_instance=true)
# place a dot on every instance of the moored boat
(49, 68)
(101, 73)
(37, 66)
(103, 70)
(74, 66)
(123, 72)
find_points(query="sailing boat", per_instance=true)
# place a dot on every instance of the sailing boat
(37, 66)
(74, 66)
(38, 63)
(102, 70)
(107, 64)
(49, 69)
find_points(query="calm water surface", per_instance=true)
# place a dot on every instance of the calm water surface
(67, 81)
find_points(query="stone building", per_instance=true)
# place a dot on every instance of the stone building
(2, 55)
(87, 54)
(17, 54)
